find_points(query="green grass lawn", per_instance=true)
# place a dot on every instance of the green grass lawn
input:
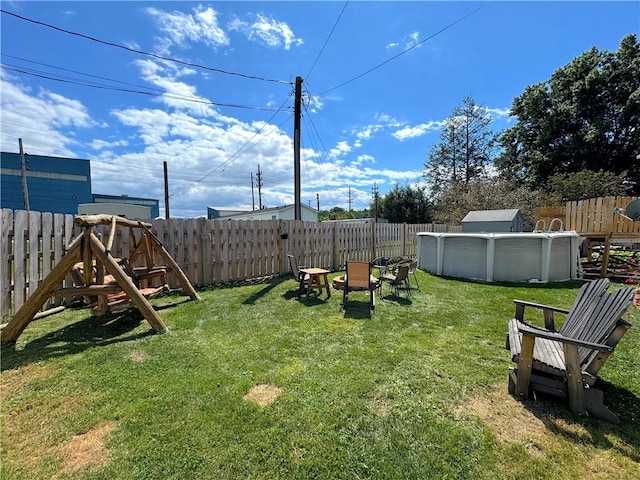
(417, 390)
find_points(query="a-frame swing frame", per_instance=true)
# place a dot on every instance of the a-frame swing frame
(89, 250)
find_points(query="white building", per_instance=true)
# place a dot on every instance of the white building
(127, 210)
(286, 212)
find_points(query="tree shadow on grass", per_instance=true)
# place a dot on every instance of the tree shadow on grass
(555, 414)
(79, 336)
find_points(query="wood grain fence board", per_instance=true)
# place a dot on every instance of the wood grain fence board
(207, 251)
(242, 250)
(19, 254)
(191, 253)
(34, 251)
(6, 267)
(47, 242)
(224, 247)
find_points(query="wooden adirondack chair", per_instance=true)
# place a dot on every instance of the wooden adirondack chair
(566, 362)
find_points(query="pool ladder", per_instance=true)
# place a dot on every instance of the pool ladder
(544, 228)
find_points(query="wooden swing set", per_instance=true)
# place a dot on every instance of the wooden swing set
(103, 280)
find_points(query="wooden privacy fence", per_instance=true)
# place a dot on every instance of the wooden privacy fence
(208, 251)
(593, 216)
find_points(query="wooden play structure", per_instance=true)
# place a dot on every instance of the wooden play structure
(103, 280)
(607, 225)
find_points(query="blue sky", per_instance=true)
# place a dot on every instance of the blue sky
(361, 125)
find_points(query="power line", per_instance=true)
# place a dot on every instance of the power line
(237, 152)
(327, 40)
(405, 51)
(79, 73)
(44, 75)
(141, 52)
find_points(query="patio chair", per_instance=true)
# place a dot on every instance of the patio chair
(301, 278)
(398, 279)
(566, 362)
(358, 277)
(413, 266)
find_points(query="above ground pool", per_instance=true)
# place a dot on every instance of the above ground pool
(501, 257)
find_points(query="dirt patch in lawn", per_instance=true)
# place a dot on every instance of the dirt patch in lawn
(88, 449)
(139, 357)
(263, 394)
(541, 429)
(507, 418)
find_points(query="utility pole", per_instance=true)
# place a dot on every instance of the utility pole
(296, 148)
(253, 196)
(23, 168)
(166, 191)
(318, 201)
(259, 178)
(350, 201)
(375, 202)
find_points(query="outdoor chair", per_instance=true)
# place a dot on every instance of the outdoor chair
(413, 266)
(397, 280)
(358, 277)
(301, 278)
(566, 362)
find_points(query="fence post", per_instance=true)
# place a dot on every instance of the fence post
(335, 254)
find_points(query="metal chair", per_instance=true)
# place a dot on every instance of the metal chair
(398, 279)
(413, 266)
(301, 278)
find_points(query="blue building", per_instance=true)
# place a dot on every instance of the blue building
(54, 184)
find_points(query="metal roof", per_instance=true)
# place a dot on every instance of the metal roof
(491, 215)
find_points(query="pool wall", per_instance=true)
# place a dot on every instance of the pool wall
(501, 257)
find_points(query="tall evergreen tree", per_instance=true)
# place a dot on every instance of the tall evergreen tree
(465, 150)
(406, 204)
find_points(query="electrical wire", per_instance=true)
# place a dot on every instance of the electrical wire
(237, 152)
(79, 73)
(406, 50)
(141, 52)
(44, 75)
(327, 40)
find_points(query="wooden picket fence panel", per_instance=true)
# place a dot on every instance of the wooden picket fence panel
(208, 251)
(593, 216)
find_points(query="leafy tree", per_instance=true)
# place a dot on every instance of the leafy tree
(567, 187)
(585, 117)
(466, 147)
(454, 203)
(405, 204)
(338, 213)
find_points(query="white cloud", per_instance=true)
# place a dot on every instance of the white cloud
(499, 113)
(267, 30)
(181, 28)
(39, 119)
(340, 149)
(362, 159)
(410, 40)
(102, 144)
(417, 130)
